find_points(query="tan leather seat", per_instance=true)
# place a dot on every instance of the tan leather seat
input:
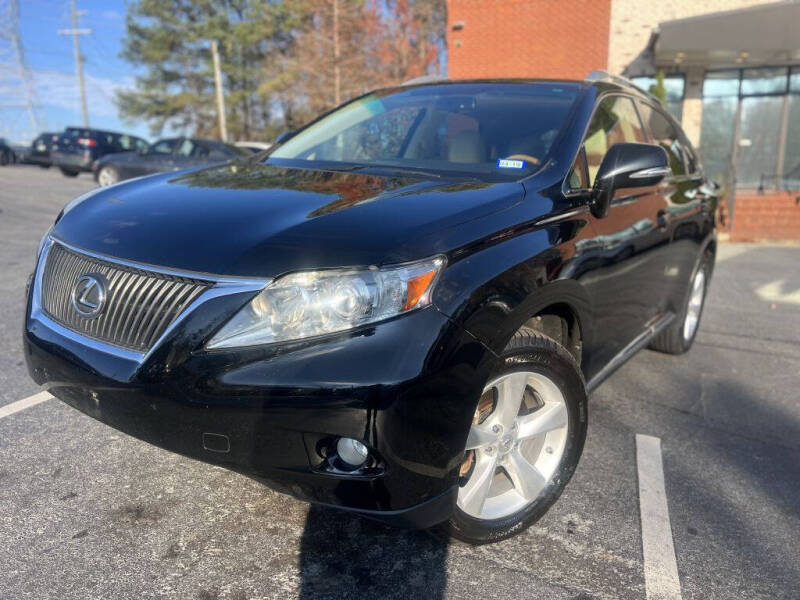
(467, 147)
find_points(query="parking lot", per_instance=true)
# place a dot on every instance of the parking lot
(88, 512)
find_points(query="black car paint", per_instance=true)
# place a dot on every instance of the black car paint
(407, 386)
(136, 164)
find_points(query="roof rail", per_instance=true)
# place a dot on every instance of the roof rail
(600, 75)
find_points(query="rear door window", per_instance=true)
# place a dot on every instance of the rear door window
(186, 148)
(163, 147)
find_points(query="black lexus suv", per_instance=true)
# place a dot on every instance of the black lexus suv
(400, 310)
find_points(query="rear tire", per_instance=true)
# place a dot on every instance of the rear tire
(5, 158)
(679, 336)
(68, 172)
(525, 442)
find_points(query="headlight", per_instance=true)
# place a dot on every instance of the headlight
(302, 305)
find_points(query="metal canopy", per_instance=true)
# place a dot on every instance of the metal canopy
(762, 35)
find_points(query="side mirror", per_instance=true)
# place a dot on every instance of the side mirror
(627, 165)
(285, 136)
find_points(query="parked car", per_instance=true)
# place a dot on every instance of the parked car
(164, 155)
(78, 147)
(7, 154)
(392, 312)
(39, 151)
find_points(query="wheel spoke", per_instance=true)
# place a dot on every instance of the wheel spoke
(473, 495)
(527, 480)
(549, 417)
(480, 436)
(510, 391)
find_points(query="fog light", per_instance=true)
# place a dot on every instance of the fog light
(352, 452)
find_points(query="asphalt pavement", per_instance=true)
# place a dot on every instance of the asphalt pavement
(88, 512)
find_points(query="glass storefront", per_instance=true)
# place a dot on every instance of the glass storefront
(746, 115)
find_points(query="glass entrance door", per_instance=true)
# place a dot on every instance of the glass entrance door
(758, 141)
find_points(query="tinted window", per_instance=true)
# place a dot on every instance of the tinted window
(162, 147)
(186, 147)
(467, 127)
(615, 121)
(128, 143)
(666, 135)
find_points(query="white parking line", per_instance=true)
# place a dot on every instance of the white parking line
(14, 407)
(660, 568)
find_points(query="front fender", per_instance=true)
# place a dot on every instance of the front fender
(493, 291)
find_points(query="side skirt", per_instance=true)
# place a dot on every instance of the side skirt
(655, 327)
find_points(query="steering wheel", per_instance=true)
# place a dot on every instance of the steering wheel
(531, 159)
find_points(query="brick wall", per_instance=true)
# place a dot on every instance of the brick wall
(563, 39)
(770, 216)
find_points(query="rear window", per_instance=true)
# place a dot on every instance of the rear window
(74, 132)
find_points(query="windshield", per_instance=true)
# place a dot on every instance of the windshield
(487, 130)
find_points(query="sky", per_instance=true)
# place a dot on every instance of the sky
(51, 60)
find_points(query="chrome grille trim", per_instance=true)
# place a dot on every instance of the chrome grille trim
(130, 297)
(153, 300)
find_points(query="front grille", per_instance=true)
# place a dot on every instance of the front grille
(140, 304)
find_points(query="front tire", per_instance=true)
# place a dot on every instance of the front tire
(525, 441)
(107, 175)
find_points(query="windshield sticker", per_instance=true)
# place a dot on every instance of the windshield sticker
(507, 163)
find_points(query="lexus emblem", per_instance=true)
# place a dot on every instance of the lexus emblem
(89, 295)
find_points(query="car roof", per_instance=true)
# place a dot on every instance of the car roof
(596, 79)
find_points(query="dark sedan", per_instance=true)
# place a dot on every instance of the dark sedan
(169, 154)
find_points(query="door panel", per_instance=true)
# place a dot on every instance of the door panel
(616, 256)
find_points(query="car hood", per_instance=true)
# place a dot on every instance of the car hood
(261, 220)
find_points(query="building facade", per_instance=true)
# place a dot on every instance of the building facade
(730, 69)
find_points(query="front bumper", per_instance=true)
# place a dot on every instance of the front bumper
(406, 387)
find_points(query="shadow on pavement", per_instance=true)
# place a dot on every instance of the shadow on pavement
(345, 556)
(737, 494)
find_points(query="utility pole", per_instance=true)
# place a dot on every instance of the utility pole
(75, 32)
(223, 124)
(337, 75)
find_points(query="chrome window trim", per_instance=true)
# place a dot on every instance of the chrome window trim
(221, 286)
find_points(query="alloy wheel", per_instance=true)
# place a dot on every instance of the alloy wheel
(514, 446)
(106, 177)
(695, 305)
